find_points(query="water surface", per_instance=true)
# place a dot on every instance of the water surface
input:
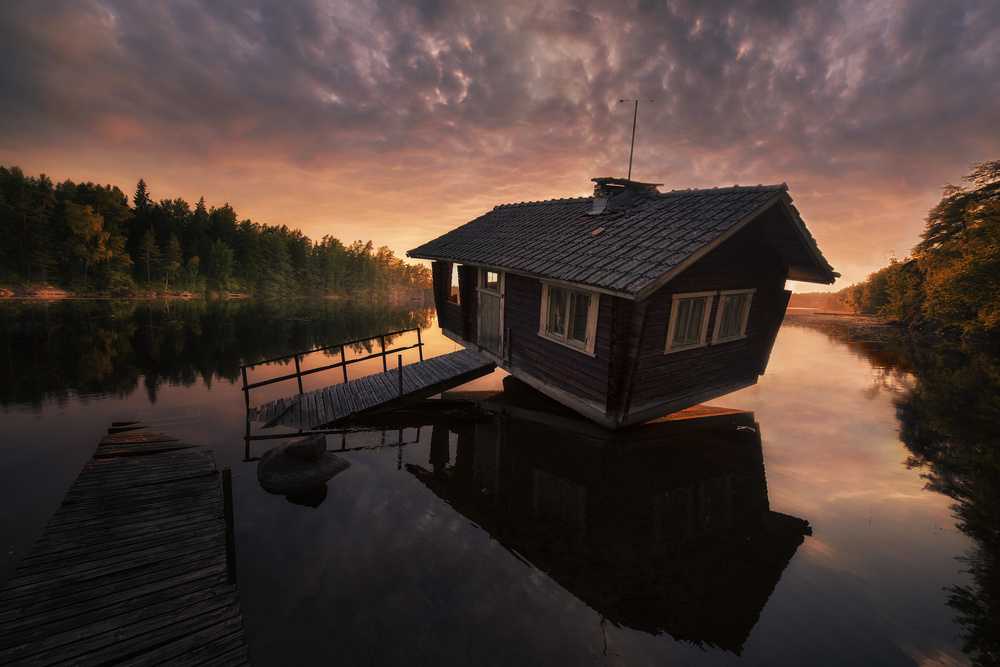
(852, 520)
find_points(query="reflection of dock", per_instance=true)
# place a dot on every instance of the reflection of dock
(655, 528)
(391, 389)
(132, 568)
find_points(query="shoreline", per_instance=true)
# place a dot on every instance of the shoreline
(871, 328)
(30, 293)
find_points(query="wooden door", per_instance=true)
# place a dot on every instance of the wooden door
(491, 311)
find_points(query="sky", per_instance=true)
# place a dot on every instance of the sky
(397, 121)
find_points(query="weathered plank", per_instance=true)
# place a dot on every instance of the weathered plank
(131, 569)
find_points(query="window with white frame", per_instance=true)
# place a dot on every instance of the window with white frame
(688, 326)
(731, 319)
(569, 316)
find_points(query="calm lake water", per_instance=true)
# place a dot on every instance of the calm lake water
(854, 520)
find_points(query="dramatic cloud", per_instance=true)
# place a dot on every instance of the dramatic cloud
(398, 120)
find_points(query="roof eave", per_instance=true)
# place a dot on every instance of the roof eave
(537, 276)
(823, 272)
(652, 287)
(825, 275)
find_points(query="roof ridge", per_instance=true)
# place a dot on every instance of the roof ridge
(562, 200)
(783, 187)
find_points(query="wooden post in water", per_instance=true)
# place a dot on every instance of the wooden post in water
(381, 340)
(399, 365)
(298, 373)
(420, 345)
(227, 509)
(343, 362)
(246, 392)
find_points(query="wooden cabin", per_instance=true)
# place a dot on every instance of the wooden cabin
(631, 304)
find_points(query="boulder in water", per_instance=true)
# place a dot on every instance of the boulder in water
(298, 464)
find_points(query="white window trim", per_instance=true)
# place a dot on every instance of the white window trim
(743, 324)
(592, 309)
(703, 338)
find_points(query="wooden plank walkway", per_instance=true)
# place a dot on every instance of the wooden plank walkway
(374, 393)
(132, 568)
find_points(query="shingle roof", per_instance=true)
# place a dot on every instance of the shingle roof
(636, 242)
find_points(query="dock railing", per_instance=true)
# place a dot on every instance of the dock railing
(342, 364)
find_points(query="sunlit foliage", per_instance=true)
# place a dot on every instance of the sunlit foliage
(952, 278)
(87, 238)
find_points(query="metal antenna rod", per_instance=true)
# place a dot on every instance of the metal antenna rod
(631, 149)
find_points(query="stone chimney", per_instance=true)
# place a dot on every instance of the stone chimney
(607, 189)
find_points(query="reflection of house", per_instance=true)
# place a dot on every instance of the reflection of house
(676, 539)
(630, 304)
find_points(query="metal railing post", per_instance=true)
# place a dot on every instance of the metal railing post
(298, 373)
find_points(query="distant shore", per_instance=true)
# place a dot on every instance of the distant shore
(871, 328)
(49, 293)
(398, 295)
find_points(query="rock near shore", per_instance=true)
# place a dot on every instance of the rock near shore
(297, 465)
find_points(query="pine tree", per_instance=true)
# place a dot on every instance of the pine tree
(149, 253)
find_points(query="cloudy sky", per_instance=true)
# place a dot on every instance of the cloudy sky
(396, 121)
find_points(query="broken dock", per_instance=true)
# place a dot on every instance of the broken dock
(135, 567)
(397, 387)
(364, 396)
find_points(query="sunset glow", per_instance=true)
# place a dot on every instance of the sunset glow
(398, 121)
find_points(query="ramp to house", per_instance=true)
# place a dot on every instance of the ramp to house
(373, 393)
(135, 567)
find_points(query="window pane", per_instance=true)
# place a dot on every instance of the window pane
(491, 280)
(578, 317)
(731, 319)
(557, 312)
(681, 318)
(688, 321)
(695, 324)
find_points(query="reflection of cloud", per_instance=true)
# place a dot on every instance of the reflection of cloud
(864, 109)
(814, 399)
(821, 551)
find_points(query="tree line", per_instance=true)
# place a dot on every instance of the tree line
(87, 238)
(951, 279)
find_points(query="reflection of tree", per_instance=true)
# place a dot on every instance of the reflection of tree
(880, 345)
(949, 419)
(104, 347)
(951, 424)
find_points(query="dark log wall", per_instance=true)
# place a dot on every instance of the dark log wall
(744, 261)
(450, 317)
(441, 274)
(468, 281)
(622, 354)
(449, 314)
(565, 368)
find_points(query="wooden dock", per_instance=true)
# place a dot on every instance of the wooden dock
(133, 568)
(374, 393)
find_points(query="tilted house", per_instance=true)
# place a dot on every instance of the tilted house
(631, 304)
